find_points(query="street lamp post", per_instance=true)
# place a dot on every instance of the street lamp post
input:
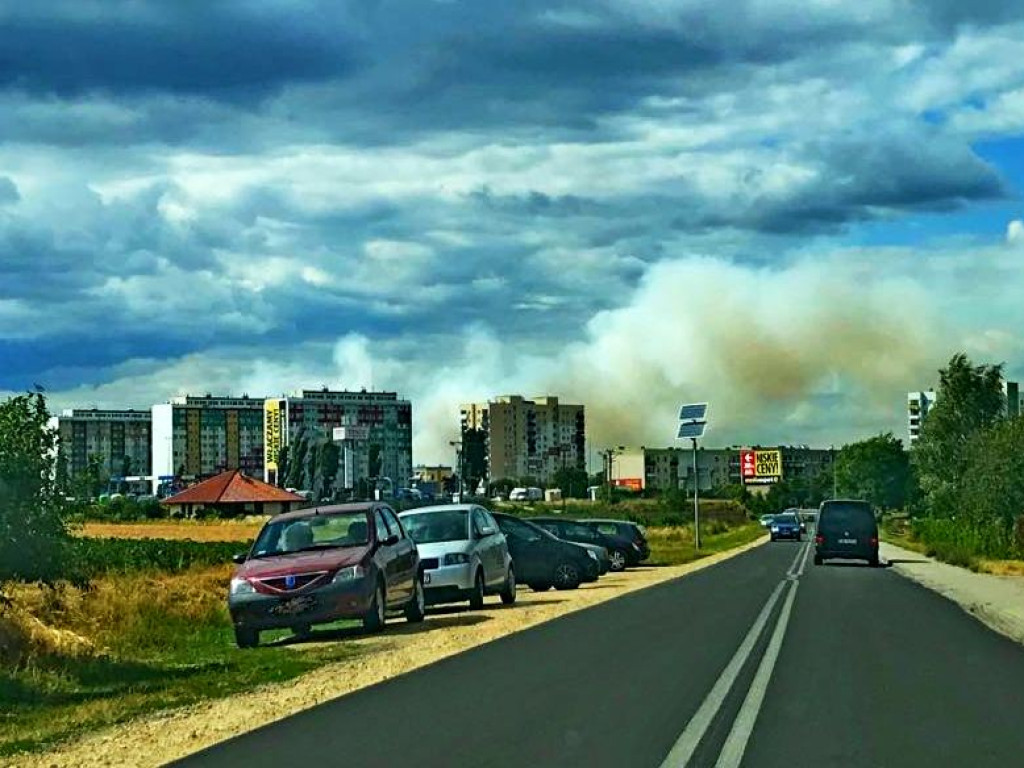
(692, 423)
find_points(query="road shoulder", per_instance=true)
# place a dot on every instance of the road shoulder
(997, 601)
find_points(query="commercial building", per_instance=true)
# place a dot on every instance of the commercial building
(121, 440)
(198, 437)
(375, 432)
(918, 405)
(526, 438)
(662, 469)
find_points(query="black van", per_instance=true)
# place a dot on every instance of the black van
(847, 530)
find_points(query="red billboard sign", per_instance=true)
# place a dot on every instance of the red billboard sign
(748, 464)
(630, 483)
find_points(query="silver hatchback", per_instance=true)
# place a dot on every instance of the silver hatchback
(463, 554)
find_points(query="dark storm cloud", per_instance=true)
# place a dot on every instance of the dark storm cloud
(231, 49)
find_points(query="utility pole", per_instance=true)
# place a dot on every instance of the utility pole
(696, 501)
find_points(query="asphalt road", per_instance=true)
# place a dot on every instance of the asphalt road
(762, 660)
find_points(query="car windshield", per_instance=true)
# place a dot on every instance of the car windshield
(304, 534)
(433, 527)
(789, 519)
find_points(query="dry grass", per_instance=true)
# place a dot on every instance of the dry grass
(1002, 567)
(194, 530)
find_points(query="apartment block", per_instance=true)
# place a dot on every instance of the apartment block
(197, 437)
(377, 431)
(525, 437)
(121, 439)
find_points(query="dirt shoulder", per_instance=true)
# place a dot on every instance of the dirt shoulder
(998, 601)
(158, 739)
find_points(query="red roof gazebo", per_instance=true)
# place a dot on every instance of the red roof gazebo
(233, 493)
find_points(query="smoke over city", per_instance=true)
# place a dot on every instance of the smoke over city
(783, 355)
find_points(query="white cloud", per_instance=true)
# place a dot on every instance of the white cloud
(1015, 231)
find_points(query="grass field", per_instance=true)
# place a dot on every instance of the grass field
(193, 530)
(674, 546)
(75, 659)
(979, 564)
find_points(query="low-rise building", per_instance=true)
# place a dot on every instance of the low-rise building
(662, 469)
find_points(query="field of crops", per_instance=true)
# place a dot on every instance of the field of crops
(88, 558)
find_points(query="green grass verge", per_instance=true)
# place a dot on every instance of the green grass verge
(674, 546)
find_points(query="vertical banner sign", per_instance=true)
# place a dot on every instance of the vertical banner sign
(271, 433)
(748, 464)
(769, 464)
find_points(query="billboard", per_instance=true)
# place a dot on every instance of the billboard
(629, 483)
(761, 467)
(351, 432)
(271, 433)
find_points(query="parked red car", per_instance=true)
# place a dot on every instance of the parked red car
(312, 566)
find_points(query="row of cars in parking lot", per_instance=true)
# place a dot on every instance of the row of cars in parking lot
(364, 561)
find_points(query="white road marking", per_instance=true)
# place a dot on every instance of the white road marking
(688, 740)
(736, 743)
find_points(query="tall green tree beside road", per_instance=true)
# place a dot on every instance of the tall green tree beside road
(970, 400)
(32, 528)
(877, 470)
(992, 496)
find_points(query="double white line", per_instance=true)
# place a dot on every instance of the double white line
(743, 725)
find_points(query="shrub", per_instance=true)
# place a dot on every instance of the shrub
(88, 558)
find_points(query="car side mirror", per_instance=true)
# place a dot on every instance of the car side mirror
(485, 531)
(239, 558)
(391, 540)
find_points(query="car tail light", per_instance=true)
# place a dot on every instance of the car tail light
(819, 539)
(874, 541)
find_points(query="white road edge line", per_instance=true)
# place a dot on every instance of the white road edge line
(688, 740)
(736, 743)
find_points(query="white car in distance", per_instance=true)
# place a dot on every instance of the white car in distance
(463, 554)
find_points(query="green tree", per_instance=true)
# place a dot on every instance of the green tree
(282, 465)
(329, 459)
(572, 481)
(503, 485)
(32, 524)
(991, 499)
(93, 480)
(297, 462)
(876, 470)
(970, 399)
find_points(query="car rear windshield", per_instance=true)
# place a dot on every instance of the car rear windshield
(848, 515)
(434, 527)
(350, 529)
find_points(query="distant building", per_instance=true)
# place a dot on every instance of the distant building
(662, 469)
(525, 438)
(198, 437)
(918, 405)
(121, 439)
(1011, 393)
(376, 441)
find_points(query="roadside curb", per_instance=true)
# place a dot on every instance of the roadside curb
(996, 601)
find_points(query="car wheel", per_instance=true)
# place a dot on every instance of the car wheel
(374, 619)
(873, 562)
(540, 586)
(508, 592)
(302, 630)
(773, 538)
(416, 610)
(817, 560)
(618, 560)
(567, 576)
(246, 638)
(476, 597)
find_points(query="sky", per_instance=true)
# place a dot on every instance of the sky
(796, 210)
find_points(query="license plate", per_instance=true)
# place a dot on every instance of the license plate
(847, 541)
(294, 605)
(426, 578)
